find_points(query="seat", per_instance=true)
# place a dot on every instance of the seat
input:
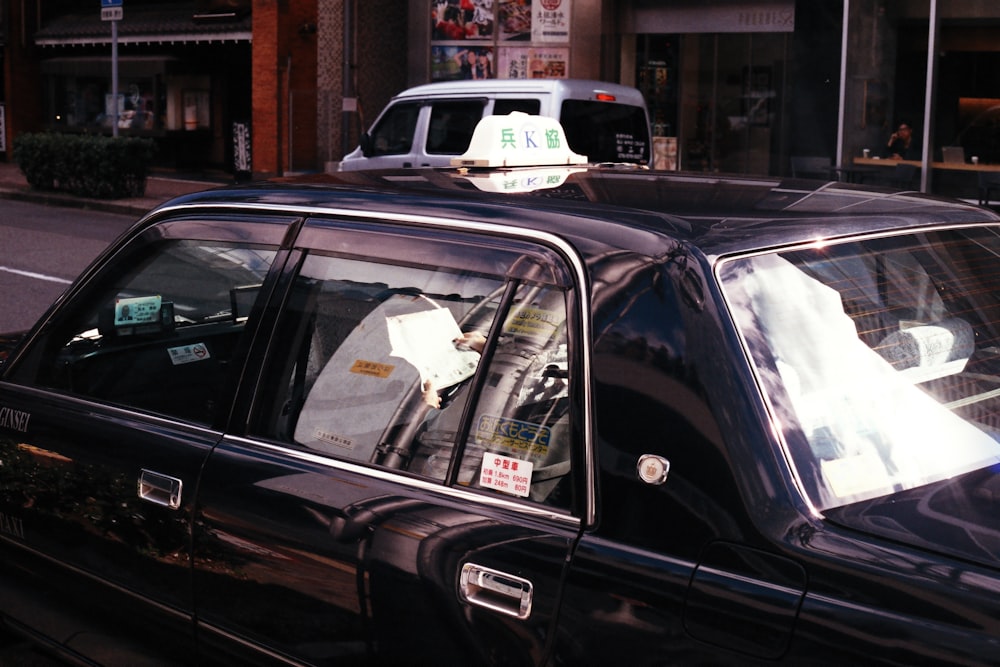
(903, 176)
(805, 166)
(928, 351)
(988, 182)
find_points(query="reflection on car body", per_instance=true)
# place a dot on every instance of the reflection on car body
(711, 421)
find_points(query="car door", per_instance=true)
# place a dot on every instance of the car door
(120, 396)
(398, 496)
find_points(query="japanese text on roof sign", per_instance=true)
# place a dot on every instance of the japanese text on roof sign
(508, 138)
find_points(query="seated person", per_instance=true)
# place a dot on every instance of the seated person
(902, 145)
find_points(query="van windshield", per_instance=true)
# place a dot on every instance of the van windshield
(606, 132)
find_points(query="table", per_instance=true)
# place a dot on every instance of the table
(948, 166)
(853, 173)
(988, 174)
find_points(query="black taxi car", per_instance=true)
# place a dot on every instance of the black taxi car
(571, 415)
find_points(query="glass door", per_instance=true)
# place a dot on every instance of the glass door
(730, 101)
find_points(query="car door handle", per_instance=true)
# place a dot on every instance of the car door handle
(496, 590)
(160, 489)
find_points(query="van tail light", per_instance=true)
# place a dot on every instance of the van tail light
(605, 97)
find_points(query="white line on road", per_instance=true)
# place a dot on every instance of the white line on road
(36, 276)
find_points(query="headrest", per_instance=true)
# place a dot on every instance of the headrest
(929, 351)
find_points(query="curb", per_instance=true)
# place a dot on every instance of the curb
(126, 207)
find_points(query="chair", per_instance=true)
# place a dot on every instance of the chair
(903, 176)
(988, 181)
(804, 166)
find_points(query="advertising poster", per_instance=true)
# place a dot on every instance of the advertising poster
(550, 21)
(449, 63)
(452, 20)
(515, 20)
(533, 62)
(475, 39)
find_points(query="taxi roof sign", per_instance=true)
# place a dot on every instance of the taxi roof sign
(521, 180)
(518, 140)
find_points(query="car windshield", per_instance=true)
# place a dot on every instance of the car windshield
(879, 359)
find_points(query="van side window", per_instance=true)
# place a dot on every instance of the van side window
(502, 107)
(452, 125)
(394, 133)
(376, 362)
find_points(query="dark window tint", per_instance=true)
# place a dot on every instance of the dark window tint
(394, 133)
(452, 125)
(606, 131)
(158, 333)
(528, 106)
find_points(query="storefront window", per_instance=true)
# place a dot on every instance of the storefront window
(658, 79)
(87, 103)
(731, 116)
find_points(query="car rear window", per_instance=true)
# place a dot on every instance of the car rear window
(606, 131)
(879, 358)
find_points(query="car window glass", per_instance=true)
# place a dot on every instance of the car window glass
(605, 131)
(519, 440)
(158, 333)
(394, 133)
(451, 126)
(874, 353)
(502, 107)
(374, 362)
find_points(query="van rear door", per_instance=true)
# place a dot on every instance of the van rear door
(606, 131)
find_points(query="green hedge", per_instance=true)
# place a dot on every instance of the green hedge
(92, 166)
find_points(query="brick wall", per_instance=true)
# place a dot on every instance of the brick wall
(284, 86)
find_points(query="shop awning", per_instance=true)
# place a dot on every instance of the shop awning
(154, 24)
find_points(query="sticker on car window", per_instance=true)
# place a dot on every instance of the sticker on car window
(513, 435)
(503, 473)
(334, 439)
(137, 310)
(373, 369)
(185, 354)
(533, 322)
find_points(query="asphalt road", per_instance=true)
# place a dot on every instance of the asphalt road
(42, 250)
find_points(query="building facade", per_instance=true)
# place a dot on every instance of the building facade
(733, 86)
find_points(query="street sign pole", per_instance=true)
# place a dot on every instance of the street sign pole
(111, 10)
(114, 78)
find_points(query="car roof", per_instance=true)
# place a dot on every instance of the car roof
(618, 207)
(575, 88)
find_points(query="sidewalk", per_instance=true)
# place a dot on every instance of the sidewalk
(160, 186)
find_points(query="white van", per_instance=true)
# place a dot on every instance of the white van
(428, 125)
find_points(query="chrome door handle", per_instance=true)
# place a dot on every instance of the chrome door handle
(495, 590)
(160, 489)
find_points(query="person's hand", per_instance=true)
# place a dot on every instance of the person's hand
(430, 395)
(472, 340)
